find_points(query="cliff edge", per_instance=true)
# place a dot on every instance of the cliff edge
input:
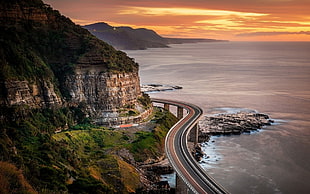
(49, 62)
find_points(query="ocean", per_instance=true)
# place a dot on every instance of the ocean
(267, 77)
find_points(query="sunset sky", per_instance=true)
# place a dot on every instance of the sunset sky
(240, 20)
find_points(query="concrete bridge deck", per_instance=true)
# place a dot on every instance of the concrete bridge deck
(176, 148)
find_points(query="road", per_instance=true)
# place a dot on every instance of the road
(179, 155)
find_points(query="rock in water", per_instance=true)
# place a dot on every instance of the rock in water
(226, 124)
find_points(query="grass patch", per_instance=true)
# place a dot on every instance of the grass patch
(91, 143)
(151, 144)
(83, 158)
(129, 175)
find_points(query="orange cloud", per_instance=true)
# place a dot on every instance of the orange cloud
(221, 19)
(272, 33)
(155, 11)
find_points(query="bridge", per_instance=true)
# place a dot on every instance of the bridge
(189, 172)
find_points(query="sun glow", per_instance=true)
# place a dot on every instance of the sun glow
(231, 20)
(219, 24)
(183, 11)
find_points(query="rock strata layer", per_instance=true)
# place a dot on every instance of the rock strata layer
(38, 94)
(103, 93)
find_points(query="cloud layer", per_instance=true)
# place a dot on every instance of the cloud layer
(272, 33)
(221, 19)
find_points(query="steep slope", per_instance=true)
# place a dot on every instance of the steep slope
(48, 61)
(127, 38)
(56, 76)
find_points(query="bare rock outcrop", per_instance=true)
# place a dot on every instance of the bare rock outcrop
(104, 93)
(39, 94)
(226, 124)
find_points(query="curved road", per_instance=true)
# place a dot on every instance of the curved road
(180, 157)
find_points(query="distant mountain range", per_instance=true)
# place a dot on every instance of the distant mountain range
(127, 38)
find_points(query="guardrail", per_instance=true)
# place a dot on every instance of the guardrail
(176, 148)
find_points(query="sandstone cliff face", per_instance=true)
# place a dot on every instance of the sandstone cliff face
(32, 95)
(18, 13)
(48, 61)
(103, 93)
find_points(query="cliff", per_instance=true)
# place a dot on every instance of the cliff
(55, 78)
(127, 38)
(103, 93)
(49, 62)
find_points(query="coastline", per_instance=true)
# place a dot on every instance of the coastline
(245, 74)
(217, 125)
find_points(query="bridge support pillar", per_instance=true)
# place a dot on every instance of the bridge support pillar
(180, 113)
(196, 133)
(166, 107)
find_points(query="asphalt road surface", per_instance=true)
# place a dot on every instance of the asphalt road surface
(179, 155)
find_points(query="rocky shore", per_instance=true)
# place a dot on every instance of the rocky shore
(228, 124)
(154, 170)
(150, 171)
(219, 124)
(158, 87)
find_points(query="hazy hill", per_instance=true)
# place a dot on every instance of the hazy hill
(127, 38)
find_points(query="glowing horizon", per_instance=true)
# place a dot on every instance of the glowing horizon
(273, 21)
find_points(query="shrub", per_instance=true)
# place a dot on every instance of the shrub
(145, 100)
(87, 185)
(12, 180)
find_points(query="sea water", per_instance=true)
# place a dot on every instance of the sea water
(267, 77)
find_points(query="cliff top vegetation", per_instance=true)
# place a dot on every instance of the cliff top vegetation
(38, 42)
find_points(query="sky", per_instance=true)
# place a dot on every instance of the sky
(235, 20)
